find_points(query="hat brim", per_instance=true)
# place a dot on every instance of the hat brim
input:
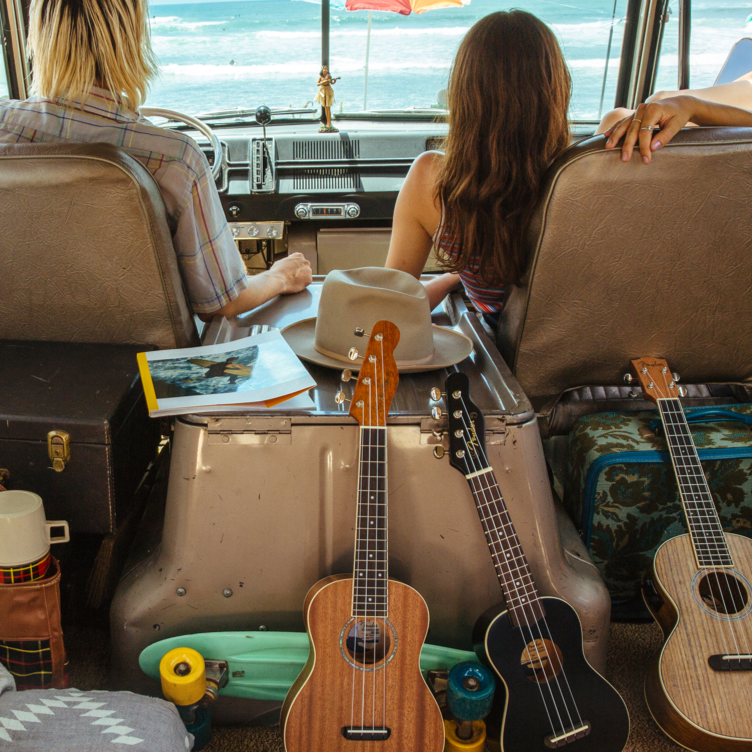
(450, 347)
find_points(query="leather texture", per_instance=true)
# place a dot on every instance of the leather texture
(633, 260)
(86, 251)
(31, 612)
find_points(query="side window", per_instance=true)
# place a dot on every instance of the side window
(3, 79)
(716, 26)
(4, 88)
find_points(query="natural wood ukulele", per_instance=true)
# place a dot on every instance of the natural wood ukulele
(554, 697)
(362, 688)
(699, 687)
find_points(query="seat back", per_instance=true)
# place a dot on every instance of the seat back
(633, 260)
(85, 250)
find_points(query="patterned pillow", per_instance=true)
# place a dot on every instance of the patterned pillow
(73, 721)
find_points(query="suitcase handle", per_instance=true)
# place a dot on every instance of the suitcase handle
(705, 414)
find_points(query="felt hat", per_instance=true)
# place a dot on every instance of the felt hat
(358, 298)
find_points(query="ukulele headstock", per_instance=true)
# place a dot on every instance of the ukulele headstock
(378, 378)
(656, 379)
(467, 427)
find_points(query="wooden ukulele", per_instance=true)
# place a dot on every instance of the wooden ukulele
(699, 687)
(554, 697)
(362, 688)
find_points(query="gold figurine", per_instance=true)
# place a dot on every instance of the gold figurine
(326, 97)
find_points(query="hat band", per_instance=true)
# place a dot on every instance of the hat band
(345, 359)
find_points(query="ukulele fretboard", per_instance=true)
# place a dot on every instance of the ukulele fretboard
(371, 568)
(704, 525)
(512, 568)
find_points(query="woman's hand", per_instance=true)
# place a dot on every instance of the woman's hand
(653, 125)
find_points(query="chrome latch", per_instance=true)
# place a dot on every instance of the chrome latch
(58, 447)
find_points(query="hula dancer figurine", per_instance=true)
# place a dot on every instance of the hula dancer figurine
(326, 97)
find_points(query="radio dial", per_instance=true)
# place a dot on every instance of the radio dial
(301, 211)
(353, 211)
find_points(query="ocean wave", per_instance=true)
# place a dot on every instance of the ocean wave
(450, 31)
(174, 22)
(199, 71)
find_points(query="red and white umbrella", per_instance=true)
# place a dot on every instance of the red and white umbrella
(404, 8)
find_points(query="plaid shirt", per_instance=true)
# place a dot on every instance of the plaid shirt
(210, 265)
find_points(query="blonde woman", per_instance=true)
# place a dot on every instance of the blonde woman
(92, 65)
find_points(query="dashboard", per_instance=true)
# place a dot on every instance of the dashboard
(330, 196)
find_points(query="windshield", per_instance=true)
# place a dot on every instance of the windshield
(222, 55)
(240, 54)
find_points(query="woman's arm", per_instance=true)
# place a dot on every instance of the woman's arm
(655, 124)
(416, 216)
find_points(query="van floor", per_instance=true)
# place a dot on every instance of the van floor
(631, 648)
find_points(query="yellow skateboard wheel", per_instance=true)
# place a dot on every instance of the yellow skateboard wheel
(183, 674)
(476, 743)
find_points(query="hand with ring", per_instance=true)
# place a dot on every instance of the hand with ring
(652, 125)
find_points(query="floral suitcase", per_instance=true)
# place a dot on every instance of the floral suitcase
(622, 494)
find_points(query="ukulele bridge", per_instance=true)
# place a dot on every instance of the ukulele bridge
(368, 734)
(572, 734)
(730, 662)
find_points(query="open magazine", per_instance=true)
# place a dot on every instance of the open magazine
(254, 372)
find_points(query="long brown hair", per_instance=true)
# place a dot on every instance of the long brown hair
(508, 98)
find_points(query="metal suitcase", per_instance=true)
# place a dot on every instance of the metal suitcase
(261, 506)
(90, 396)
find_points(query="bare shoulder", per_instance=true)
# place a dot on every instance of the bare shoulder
(426, 166)
(420, 184)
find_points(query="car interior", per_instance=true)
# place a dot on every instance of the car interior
(215, 525)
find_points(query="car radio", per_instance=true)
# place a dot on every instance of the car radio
(327, 211)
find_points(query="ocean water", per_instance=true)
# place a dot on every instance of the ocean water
(216, 55)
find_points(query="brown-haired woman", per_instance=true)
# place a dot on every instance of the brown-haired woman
(508, 99)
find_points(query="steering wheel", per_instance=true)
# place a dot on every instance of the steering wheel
(216, 168)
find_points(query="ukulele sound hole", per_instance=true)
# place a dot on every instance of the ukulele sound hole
(368, 643)
(541, 660)
(722, 593)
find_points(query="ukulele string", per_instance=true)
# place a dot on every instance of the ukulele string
(368, 556)
(493, 543)
(376, 552)
(698, 480)
(385, 588)
(482, 457)
(357, 572)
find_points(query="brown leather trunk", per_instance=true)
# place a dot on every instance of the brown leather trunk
(94, 393)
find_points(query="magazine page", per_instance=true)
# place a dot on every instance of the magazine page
(256, 369)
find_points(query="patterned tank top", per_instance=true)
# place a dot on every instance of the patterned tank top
(486, 299)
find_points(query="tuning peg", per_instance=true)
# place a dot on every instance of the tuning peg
(675, 377)
(346, 375)
(436, 413)
(628, 378)
(359, 332)
(353, 354)
(682, 391)
(437, 394)
(339, 398)
(439, 452)
(651, 385)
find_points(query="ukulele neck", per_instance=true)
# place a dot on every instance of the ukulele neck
(708, 538)
(512, 569)
(371, 568)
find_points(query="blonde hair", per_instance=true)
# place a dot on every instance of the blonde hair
(76, 44)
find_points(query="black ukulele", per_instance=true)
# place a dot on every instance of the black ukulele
(554, 697)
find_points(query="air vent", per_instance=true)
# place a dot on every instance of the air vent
(326, 149)
(325, 179)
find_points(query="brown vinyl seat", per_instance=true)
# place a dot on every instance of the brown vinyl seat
(632, 260)
(86, 251)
